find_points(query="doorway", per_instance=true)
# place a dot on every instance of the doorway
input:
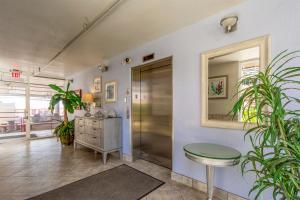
(152, 112)
(24, 103)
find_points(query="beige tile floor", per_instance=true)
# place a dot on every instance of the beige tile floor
(29, 168)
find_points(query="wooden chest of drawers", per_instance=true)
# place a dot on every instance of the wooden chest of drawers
(101, 135)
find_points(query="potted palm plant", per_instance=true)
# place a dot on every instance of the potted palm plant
(275, 134)
(70, 100)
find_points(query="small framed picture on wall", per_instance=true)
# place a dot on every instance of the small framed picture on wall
(111, 92)
(217, 87)
(97, 84)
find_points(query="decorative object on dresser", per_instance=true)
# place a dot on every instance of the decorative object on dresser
(111, 92)
(88, 99)
(102, 135)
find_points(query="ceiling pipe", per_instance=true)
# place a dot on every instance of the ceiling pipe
(86, 27)
(38, 84)
(49, 77)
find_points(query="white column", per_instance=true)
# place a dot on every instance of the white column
(27, 100)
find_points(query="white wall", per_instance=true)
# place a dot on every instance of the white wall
(231, 69)
(279, 18)
(84, 81)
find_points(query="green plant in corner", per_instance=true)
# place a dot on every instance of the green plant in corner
(70, 101)
(275, 136)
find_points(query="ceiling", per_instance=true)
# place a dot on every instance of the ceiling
(33, 31)
(238, 56)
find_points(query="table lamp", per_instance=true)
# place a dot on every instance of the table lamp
(88, 99)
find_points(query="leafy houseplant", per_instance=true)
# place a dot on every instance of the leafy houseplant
(275, 135)
(70, 100)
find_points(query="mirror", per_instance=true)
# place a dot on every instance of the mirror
(221, 71)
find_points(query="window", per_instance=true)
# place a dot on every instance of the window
(248, 68)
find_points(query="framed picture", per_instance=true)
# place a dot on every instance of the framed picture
(79, 93)
(97, 84)
(111, 92)
(217, 87)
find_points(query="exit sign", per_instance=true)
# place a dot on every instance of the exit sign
(15, 73)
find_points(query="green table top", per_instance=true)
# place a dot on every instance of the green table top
(214, 151)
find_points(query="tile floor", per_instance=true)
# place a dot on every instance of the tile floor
(35, 134)
(29, 168)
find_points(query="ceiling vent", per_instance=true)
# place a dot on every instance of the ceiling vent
(148, 57)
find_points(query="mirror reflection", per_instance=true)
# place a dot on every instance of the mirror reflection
(224, 73)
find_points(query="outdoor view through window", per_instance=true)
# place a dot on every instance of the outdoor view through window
(13, 108)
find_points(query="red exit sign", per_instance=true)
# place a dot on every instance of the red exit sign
(15, 73)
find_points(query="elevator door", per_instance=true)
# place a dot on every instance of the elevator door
(153, 112)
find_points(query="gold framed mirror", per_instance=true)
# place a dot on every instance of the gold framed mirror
(221, 70)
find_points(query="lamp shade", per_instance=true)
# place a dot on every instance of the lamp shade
(87, 98)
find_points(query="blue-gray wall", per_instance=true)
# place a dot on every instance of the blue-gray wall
(278, 18)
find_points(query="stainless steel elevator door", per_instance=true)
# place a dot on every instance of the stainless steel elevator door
(152, 113)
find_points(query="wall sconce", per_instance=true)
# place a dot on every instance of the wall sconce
(103, 68)
(229, 23)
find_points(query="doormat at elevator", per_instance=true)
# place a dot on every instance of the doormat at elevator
(119, 183)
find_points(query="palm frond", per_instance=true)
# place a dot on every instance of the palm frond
(275, 138)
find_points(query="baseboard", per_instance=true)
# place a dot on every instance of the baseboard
(198, 185)
(127, 158)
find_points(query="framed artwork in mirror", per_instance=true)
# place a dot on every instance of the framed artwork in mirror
(217, 87)
(221, 70)
(97, 84)
(111, 92)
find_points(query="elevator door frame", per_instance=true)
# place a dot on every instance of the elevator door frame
(148, 66)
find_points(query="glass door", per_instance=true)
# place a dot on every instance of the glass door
(12, 110)
(24, 103)
(42, 121)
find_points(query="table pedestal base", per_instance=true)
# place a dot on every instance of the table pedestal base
(212, 155)
(210, 181)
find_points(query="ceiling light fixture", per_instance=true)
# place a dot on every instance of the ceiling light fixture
(229, 23)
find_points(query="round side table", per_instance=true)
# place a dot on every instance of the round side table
(212, 155)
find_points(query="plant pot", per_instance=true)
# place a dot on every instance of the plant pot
(66, 139)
